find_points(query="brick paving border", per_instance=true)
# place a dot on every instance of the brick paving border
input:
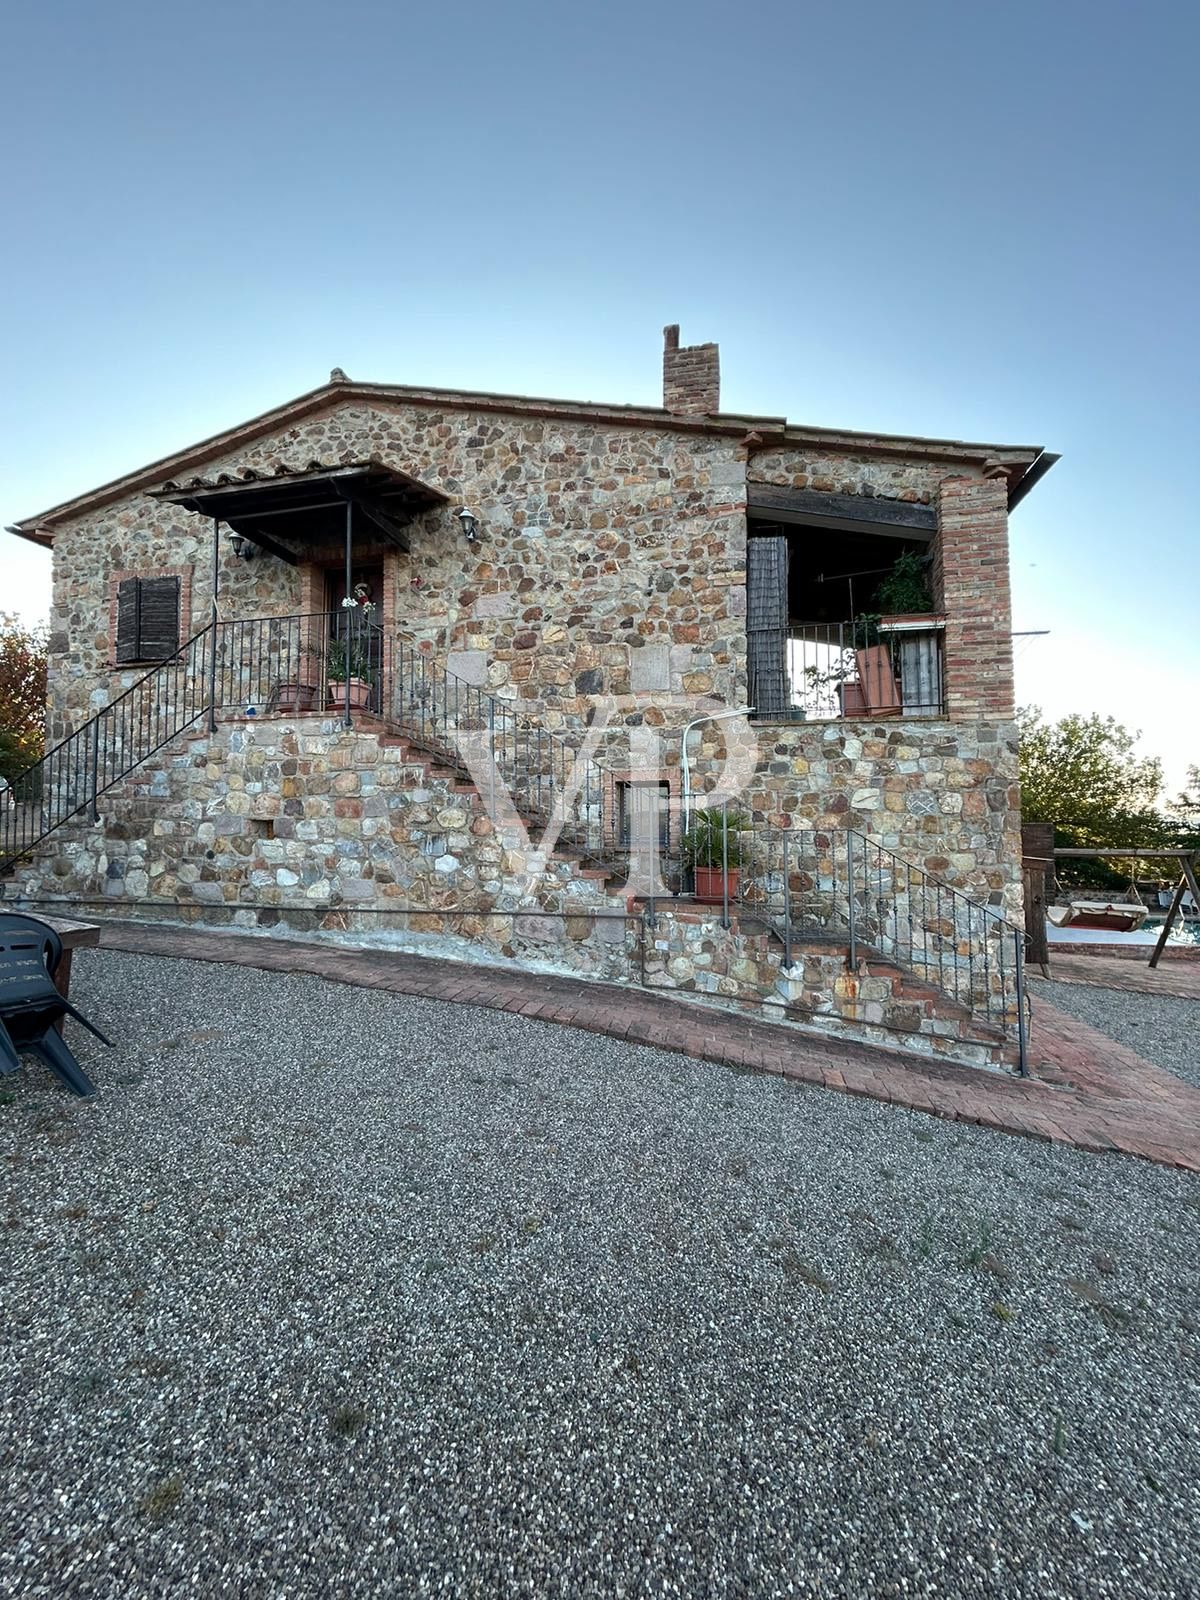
(1087, 1090)
(1179, 981)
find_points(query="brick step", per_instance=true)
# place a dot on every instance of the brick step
(936, 1002)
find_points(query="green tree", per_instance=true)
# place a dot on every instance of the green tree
(22, 695)
(1084, 775)
(1185, 813)
(1186, 804)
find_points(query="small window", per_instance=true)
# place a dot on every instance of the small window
(147, 619)
(633, 796)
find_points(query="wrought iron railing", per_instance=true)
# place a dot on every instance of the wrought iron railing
(254, 666)
(549, 779)
(69, 779)
(871, 667)
(834, 883)
(841, 885)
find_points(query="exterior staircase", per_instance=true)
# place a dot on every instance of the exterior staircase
(850, 930)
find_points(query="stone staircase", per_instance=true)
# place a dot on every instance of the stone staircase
(690, 951)
(300, 821)
(304, 823)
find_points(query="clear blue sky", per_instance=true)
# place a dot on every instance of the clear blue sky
(943, 219)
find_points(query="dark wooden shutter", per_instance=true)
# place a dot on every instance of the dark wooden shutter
(158, 623)
(767, 624)
(127, 620)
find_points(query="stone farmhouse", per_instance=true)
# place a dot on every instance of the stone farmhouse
(335, 672)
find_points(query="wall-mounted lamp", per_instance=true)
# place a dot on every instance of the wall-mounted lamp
(242, 548)
(470, 524)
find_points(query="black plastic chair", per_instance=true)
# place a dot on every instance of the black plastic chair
(31, 1007)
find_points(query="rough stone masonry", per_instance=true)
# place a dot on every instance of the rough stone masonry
(610, 565)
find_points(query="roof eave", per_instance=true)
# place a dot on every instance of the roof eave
(771, 432)
(32, 532)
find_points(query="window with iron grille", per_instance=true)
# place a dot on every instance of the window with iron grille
(147, 619)
(636, 799)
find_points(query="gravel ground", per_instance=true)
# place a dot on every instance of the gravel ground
(1161, 1029)
(331, 1292)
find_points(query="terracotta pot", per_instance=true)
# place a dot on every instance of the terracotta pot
(360, 694)
(296, 697)
(710, 884)
(853, 704)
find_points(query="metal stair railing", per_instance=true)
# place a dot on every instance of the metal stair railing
(551, 781)
(312, 663)
(840, 885)
(166, 701)
(831, 884)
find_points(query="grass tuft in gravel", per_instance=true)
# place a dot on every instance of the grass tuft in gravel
(162, 1500)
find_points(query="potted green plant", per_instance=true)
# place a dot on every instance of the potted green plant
(299, 694)
(905, 592)
(714, 848)
(348, 658)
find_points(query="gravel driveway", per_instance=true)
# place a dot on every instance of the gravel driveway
(1158, 1027)
(338, 1293)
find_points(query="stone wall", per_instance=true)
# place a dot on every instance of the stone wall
(310, 828)
(595, 543)
(941, 795)
(876, 475)
(314, 827)
(689, 951)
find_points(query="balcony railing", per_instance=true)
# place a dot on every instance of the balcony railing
(868, 668)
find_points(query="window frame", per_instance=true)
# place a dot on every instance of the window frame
(183, 577)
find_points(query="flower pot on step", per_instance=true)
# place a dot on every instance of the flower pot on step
(710, 884)
(297, 697)
(360, 694)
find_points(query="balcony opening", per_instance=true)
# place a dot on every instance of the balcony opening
(840, 621)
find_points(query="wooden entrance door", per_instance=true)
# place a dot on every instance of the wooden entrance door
(356, 635)
(371, 576)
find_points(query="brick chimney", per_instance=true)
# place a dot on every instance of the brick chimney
(691, 376)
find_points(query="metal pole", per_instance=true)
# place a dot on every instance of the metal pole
(787, 904)
(96, 772)
(850, 899)
(212, 664)
(347, 720)
(491, 759)
(644, 822)
(725, 863)
(1022, 1039)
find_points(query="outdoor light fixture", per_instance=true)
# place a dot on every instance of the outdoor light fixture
(470, 524)
(242, 548)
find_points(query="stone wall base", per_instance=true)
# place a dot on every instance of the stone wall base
(307, 829)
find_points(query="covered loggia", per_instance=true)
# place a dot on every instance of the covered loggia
(840, 614)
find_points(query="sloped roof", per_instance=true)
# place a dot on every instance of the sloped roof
(286, 507)
(1018, 460)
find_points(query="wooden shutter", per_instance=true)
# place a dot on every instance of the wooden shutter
(127, 620)
(158, 622)
(767, 624)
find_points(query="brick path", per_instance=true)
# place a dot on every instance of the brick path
(1087, 1090)
(1178, 979)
